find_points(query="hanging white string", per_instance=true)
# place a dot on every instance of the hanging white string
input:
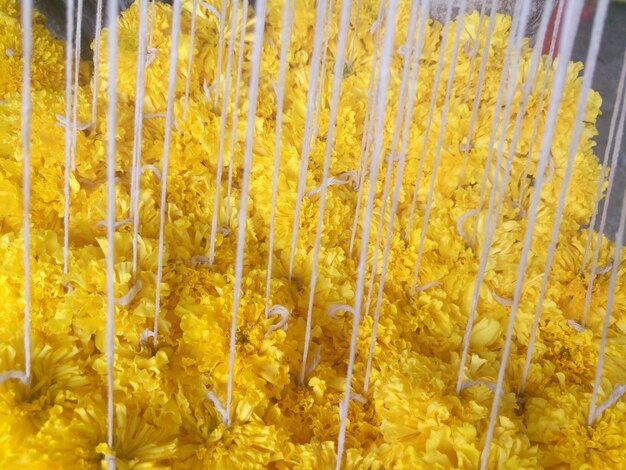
(138, 128)
(253, 94)
(381, 106)
(570, 26)
(416, 50)
(314, 77)
(220, 52)
(614, 160)
(223, 118)
(27, 52)
(112, 12)
(340, 55)
(431, 111)
(77, 48)
(368, 124)
(192, 38)
(96, 61)
(493, 215)
(235, 119)
(596, 410)
(442, 129)
(590, 66)
(479, 87)
(508, 83)
(68, 132)
(288, 17)
(540, 105)
(165, 162)
(605, 162)
(400, 113)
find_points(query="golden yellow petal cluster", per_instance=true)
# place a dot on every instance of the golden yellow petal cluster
(411, 417)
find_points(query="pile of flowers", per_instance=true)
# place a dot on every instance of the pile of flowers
(411, 415)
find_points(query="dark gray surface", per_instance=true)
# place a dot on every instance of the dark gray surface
(605, 81)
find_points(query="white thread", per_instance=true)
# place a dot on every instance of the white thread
(459, 226)
(110, 279)
(381, 106)
(425, 286)
(116, 224)
(223, 118)
(602, 270)
(77, 47)
(605, 162)
(308, 126)
(479, 85)
(283, 313)
(442, 128)
(618, 392)
(492, 215)
(340, 55)
(431, 111)
(501, 300)
(614, 160)
(165, 164)
(68, 133)
(111, 461)
(138, 128)
(127, 298)
(243, 208)
(150, 55)
(81, 126)
(233, 132)
(192, 38)
(333, 309)
(341, 179)
(14, 374)
(153, 169)
(214, 10)
(220, 48)
(145, 336)
(219, 407)
(472, 383)
(569, 32)
(198, 260)
(96, 62)
(317, 358)
(367, 129)
(412, 84)
(577, 326)
(288, 17)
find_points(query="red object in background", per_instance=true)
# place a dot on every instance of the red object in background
(587, 14)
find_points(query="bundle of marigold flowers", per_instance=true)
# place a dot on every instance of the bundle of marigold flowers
(410, 416)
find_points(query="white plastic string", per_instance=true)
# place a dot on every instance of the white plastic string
(77, 48)
(220, 52)
(192, 38)
(171, 88)
(474, 51)
(596, 410)
(605, 162)
(112, 12)
(381, 106)
(340, 55)
(96, 61)
(235, 120)
(590, 67)
(400, 113)
(614, 160)
(408, 119)
(570, 26)
(431, 111)
(517, 26)
(287, 28)
(138, 127)
(542, 98)
(479, 86)
(442, 129)
(223, 118)
(493, 215)
(368, 124)
(308, 125)
(253, 94)
(68, 132)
